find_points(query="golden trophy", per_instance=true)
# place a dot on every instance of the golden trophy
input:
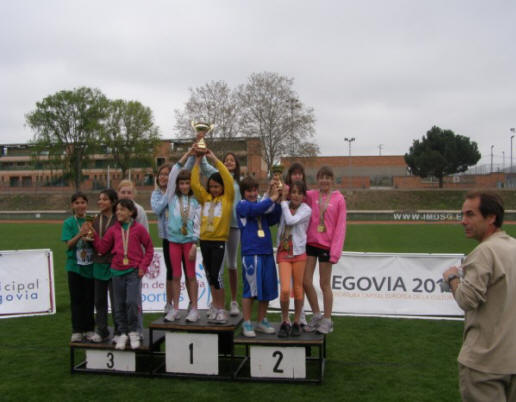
(277, 170)
(201, 129)
(89, 236)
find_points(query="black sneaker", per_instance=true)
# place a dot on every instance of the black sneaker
(284, 330)
(296, 330)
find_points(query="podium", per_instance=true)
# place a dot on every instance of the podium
(204, 350)
(105, 359)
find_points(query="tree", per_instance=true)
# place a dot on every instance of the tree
(272, 111)
(441, 153)
(129, 133)
(213, 103)
(67, 126)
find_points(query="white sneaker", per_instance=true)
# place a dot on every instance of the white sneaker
(121, 341)
(314, 323)
(265, 327)
(167, 308)
(94, 337)
(76, 337)
(302, 318)
(325, 326)
(192, 316)
(173, 315)
(234, 310)
(220, 317)
(115, 338)
(134, 338)
(212, 313)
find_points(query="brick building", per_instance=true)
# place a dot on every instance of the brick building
(19, 171)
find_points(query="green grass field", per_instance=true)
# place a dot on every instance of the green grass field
(368, 359)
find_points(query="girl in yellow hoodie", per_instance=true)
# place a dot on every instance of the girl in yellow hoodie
(217, 206)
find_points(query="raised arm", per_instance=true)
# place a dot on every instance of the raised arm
(199, 192)
(227, 178)
(252, 209)
(303, 214)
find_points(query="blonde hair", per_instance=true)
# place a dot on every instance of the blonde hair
(127, 183)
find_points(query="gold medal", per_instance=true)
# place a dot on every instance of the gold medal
(209, 228)
(125, 261)
(183, 230)
(261, 233)
(83, 254)
(321, 228)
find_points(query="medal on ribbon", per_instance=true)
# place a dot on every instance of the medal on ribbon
(125, 243)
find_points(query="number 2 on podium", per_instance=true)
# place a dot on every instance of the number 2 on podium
(276, 368)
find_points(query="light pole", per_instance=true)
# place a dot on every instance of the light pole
(380, 149)
(349, 141)
(512, 130)
(492, 146)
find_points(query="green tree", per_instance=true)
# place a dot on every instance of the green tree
(67, 126)
(130, 134)
(441, 153)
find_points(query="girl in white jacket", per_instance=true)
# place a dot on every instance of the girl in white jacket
(291, 256)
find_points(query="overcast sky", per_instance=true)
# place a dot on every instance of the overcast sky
(381, 71)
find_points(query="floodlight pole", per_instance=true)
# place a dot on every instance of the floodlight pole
(349, 141)
(512, 130)
(492, 146)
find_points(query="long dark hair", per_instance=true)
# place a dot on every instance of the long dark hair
(295, 167)
(236, 172)
(112, 195)
(216, 177)
(160, 168)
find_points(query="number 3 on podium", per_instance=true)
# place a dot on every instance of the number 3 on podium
(191, 353)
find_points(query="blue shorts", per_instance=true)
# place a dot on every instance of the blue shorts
(259, 277)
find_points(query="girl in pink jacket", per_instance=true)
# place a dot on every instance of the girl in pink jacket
(325, 238)
(127, 240)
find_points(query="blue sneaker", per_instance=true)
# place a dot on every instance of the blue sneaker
(265, 327)
(248, 330)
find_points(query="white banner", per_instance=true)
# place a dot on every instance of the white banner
(388, 284)
(26, 283)
(154, 295)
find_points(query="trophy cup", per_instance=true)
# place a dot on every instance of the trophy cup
(277, 170)
(89, 236)
(201, 129)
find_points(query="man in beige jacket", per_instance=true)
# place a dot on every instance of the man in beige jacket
(487, 294)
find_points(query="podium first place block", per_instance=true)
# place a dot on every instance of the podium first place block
(197, 349)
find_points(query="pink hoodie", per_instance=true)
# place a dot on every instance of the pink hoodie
(334, 220)
(138, 237)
